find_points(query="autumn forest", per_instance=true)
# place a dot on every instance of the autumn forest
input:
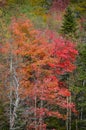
(42, 65)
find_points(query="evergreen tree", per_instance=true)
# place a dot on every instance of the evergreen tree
(69, 26)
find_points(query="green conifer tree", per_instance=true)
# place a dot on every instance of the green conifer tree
(69, 25)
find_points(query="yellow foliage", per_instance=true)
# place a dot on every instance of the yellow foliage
(36, 2)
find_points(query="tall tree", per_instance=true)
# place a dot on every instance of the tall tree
(69, 26)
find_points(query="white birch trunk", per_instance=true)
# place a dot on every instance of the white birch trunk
(14, 89)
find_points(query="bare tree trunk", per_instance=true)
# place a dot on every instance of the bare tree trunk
(81, 116)
(67, 120)
(70, 115)
(14, 90)
(11, 66)
(41, 120)
(35, 109)
(14, 104)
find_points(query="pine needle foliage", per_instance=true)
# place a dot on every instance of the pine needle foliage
(69, 26)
